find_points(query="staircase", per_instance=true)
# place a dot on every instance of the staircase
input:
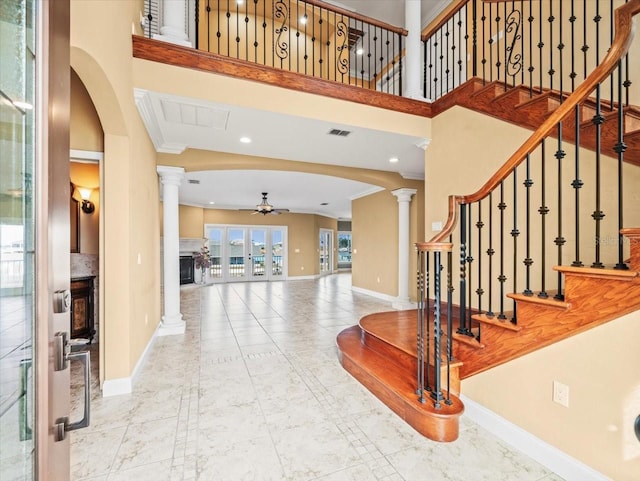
(414, 360)
(527, 107)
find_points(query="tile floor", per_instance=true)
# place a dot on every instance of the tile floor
(254, 391)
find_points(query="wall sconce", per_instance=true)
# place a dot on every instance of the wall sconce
(85, 194)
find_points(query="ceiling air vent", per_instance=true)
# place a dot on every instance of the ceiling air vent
(339, 133)
(194, 181)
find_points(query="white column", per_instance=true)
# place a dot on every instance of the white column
(412, 61)
(404, 199)
(172, 322)
(174, 22)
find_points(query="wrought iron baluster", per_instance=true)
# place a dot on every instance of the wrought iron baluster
(382, 60)
(237, 30)
(559, 240)
(540, 44)
(447, 70)
(280, 21)
(342, 64)
(627, 83)
(551, 19)
(585, 45)
(572, 20)
(255, 30)
(490, 254)
(420, 375)
(197, 24)
(228, 15)
(598, 215)
(577, 185)
(522, 80)
(531, 67)
(560, 49)
(620, 147)
(375, 57)
(469, 260)
(150, 18)
(425, 46)
(515, 233)
(514, 62)
(479, 226)
(313, 41)
(528, 262)
(449, 304)
(474, 41)
(459, 46)
(436, 393)
(498, 63)
(484, 56)
(611, 14)
(400, 62)
(502, 278)
(543, 210)
(264, 33)
(320, 27)
(463, 328)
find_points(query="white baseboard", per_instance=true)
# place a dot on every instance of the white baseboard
(549, 456)
(124, 385)
(377, 295)
(302, 278)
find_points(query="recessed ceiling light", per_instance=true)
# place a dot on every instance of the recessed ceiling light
(393, 160)
(245, 140)
(212, 202)
(360, 51)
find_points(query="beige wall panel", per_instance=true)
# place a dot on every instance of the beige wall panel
(600, 367)
(130, 293)
(374, 230)
(191, 221)
(85, 129)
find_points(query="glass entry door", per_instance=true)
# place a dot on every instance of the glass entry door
(17, 247)
(258, 256)
(236, 255)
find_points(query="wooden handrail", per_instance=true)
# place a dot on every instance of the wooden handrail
(443, 18)
(623, 37)
(357, 16)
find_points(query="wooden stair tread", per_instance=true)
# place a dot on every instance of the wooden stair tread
(468, 340)
(544, 301)
(618, 274)
(494, 321)
(395, 387)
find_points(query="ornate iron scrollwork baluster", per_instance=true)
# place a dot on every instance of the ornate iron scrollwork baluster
(342, 61)
(281, 13)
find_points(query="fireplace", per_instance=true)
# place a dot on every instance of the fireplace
(186, 270)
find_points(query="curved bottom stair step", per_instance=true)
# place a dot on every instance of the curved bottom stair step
(395, 386)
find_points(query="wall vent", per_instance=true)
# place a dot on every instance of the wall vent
(194, 181)
(339, 133)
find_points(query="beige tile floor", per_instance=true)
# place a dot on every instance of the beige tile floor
(254, 391)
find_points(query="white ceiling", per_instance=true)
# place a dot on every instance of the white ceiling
(179, 123)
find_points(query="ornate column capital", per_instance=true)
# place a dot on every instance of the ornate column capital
(170, 175)
(404, 194)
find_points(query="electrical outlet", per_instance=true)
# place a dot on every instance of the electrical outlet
(561, 393)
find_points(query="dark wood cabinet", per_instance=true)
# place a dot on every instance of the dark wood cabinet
(82, 308)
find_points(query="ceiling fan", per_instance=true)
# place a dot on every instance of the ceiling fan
(265, 208)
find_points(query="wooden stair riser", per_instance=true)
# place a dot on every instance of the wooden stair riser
(409, 361)
(395, 387)
(542, 325)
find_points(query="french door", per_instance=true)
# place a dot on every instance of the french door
(326, 251)
(246, 253)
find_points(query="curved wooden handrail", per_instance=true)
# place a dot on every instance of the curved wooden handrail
(624, 35)
(357, 16)
(441, 19)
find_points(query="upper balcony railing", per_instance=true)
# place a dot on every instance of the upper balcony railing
(307, 37)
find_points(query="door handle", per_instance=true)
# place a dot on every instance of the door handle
(62, 356)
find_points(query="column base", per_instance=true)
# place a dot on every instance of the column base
(172, 325)
(174, 40)
(403, 304)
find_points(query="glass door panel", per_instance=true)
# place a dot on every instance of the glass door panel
(17, 300)
(236, 254)
(326, 247)
(258, 253)
(344, 250)
(277, 253)
(214, 235)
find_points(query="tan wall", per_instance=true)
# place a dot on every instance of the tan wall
(601, 369)
(130, 293)
(584, 362)
(85, 130)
